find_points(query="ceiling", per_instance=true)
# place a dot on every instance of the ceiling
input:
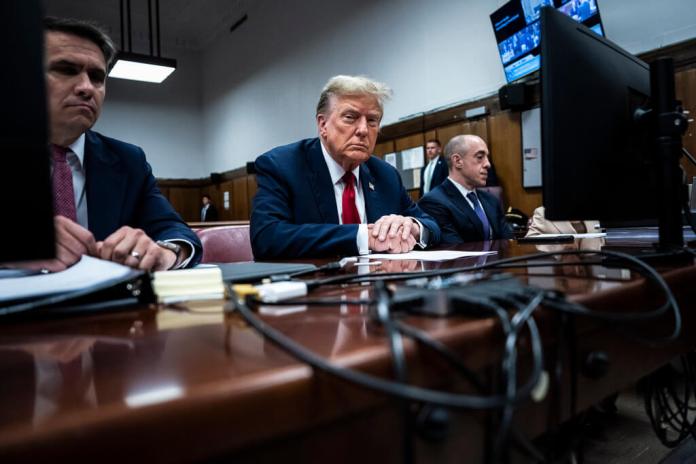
(184, 24)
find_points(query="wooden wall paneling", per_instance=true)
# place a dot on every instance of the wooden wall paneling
(383, 148)
(226, 214)
(185, 201)
(686, 92)
(431, 134)
(409, 141)
(239, 200)
(480, 127)
(505, 145)
(251, 191)
(445, 133)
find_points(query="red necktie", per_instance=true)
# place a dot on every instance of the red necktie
(63, 193)
(350, 212)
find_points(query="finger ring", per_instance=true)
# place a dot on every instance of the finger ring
(135, 254)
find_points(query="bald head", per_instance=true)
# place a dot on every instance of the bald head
(467, 159)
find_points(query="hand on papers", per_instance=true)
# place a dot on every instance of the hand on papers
(132, 247)
(393, 234)
(128, 246)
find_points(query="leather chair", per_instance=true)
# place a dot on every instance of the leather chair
(226, 244)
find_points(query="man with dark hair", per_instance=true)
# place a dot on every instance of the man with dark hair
(106, 199)
(435, 171)
(464, 212)
(208, 211)
(329, 196)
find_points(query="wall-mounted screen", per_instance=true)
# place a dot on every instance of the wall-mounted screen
(516, 27)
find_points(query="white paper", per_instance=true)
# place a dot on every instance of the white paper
(85, 273)
(437, 255)
(390, 158)
(412, 158)
(585, 235)
(416, 178)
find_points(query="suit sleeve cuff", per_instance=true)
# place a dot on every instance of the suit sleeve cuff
(192, 251)
(424, 237)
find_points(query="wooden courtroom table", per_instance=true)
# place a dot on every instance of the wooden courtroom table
(190, 382)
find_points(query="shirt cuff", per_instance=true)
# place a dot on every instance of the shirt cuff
(424, 234)
(192, 251)
(362, 240)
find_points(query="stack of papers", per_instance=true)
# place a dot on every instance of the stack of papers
(188, 284)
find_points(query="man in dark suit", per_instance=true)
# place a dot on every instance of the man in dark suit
(464, 213)
(328, 196)
(208, 211)
(435, 171)
(106, 199)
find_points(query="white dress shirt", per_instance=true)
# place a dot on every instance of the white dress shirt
(337, 172)
(76, 160)
(428, 174)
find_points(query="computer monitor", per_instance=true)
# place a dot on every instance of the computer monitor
(600, 158)
(517, 31)
(25, 181)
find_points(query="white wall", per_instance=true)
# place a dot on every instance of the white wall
(257, 87)
(164, 119)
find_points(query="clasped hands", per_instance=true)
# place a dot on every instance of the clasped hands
(393, 234)
(128, 246)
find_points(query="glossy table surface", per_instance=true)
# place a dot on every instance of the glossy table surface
(196, 380)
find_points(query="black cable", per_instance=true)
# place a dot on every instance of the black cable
(396, 347)
(409, 392)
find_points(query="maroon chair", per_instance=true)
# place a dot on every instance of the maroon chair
(226, 244)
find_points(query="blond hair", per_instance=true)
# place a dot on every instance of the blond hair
(340, 86)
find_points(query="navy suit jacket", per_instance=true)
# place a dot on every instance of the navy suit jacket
(121, 191)
(440, 173)
(294, 212)
(458, 220)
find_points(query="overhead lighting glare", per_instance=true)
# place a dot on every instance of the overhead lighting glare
(142, 68)
(137, 66)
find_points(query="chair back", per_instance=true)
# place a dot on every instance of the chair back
(226, 244)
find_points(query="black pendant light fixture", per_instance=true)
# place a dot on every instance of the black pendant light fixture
(137, 66)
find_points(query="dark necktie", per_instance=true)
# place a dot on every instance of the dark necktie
(481, 215)
(63, 193)
(350, 211)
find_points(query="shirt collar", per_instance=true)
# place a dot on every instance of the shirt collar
(78, 147)
(463, 190)
(336, 171)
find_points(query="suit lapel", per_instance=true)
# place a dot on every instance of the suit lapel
(374, 209)
(106, 187)
(459, 200)
(320, 183)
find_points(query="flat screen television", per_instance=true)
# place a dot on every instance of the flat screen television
(518, 33)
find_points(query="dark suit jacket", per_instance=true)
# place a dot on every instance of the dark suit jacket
(121, 190)
(458, 220)
(211, 213)
(440, 173)
(294, 212)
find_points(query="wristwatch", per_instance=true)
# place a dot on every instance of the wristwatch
(171, 246)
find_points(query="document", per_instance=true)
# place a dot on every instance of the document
(437, 255)
(84, 274)
(412, 158)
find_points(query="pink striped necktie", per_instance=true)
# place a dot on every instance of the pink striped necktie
(63, 192)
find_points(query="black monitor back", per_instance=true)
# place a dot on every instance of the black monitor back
(25, 182)
(597, 162)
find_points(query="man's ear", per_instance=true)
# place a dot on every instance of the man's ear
(321, 123)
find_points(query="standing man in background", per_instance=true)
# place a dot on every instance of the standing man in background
(106, 199)
(329, 196)
(208, 211)
(435, 171)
